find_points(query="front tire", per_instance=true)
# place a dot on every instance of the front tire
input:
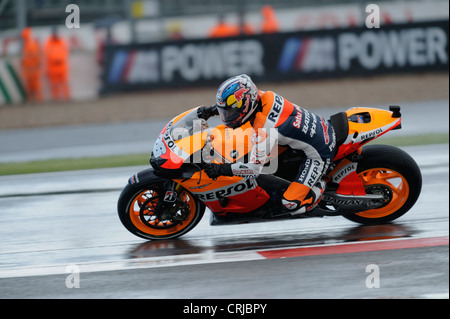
(393, 173)
(137, 212)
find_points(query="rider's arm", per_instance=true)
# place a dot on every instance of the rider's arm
(264, 141)
(205, 112)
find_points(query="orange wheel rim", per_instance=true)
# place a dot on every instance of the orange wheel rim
(389, 183)
(153, 226)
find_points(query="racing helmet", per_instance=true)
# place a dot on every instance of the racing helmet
(236, 100)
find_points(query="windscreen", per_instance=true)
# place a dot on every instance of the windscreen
(186, 126)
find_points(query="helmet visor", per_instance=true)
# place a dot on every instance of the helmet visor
(230, 115)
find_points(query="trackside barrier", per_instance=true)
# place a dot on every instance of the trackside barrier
(11, 87)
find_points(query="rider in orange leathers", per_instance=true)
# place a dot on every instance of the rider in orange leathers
(239, 101)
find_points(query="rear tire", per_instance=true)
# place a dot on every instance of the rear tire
(136, 208)
(389, 171)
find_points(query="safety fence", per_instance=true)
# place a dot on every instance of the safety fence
(412, 47)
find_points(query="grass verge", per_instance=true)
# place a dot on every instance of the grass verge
(71, 164)
(411, 140)
(142, 159)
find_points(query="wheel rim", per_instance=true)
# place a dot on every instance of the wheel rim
(142, 214)
(391, 184)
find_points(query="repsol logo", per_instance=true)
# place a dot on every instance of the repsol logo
(371, 134)
(310, 172)
(170, 143)
(276, 109)
(232, 190)
(343, 172)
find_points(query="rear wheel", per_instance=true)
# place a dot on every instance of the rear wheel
(392, 173)
(144, 212)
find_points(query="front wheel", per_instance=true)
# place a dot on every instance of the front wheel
(144, 212)
(391, 172)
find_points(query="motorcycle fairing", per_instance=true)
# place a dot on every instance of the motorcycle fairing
(226, 194)
(232, 145)
(366, 124)
(344, 174)
(179, 139)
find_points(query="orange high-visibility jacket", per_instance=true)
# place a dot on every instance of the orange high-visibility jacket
(31, 54)
(270, 22)
(56, 55)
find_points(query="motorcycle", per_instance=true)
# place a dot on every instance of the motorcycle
(367, 184)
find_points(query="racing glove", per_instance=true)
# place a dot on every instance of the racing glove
(215, 170)
(205, 112)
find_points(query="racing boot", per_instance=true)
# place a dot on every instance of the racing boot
(297, 207)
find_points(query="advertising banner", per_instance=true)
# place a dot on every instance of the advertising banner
(278, 57)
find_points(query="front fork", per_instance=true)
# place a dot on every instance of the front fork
(171, 206)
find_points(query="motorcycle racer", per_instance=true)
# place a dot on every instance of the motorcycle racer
(238, 101)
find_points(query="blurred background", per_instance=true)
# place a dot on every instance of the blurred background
(126, 60)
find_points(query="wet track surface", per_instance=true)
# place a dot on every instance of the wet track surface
(52, 222)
